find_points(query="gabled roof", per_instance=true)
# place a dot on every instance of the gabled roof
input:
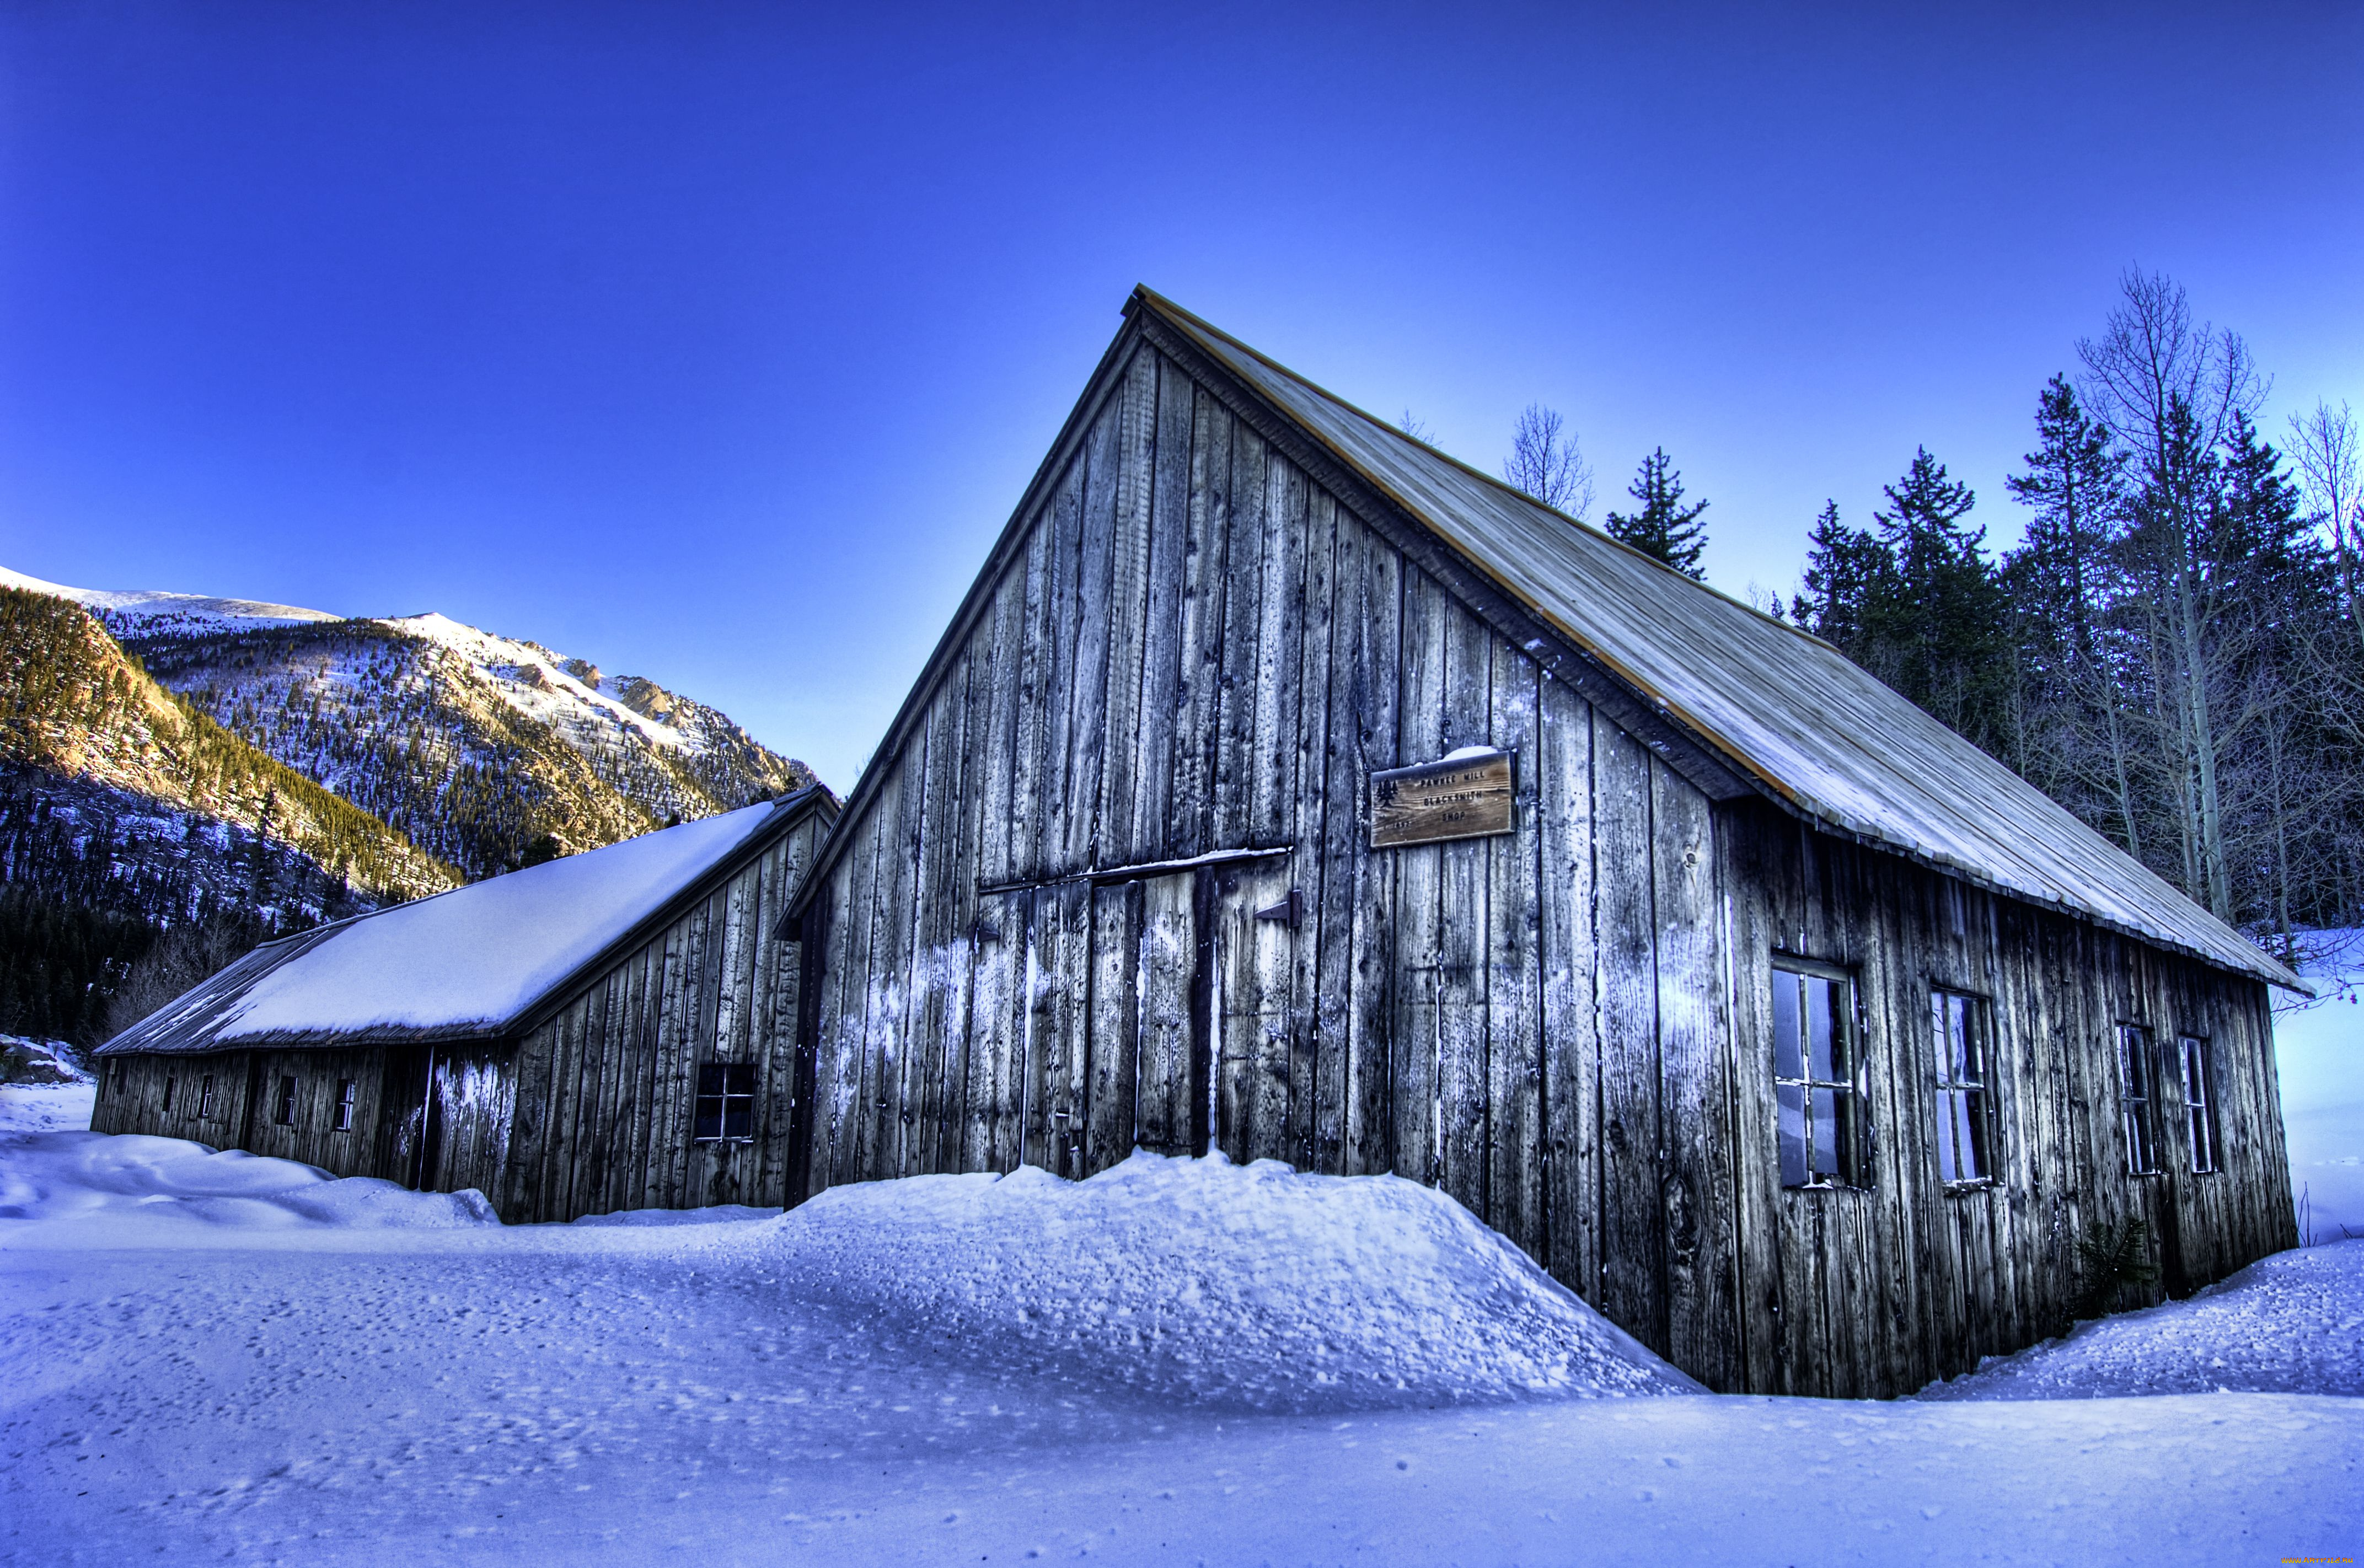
(1787, 710)
(473, 963)
(1789, 716)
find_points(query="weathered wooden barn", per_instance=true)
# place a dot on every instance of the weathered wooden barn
(610, 1030)
(1286, 788)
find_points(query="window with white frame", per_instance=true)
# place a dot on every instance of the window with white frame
(285, 1114)
(1816, 1076)
(206, 1098)
(2137, 1091)
(2200, 1103)
(1957, 1024)
(347, 1091)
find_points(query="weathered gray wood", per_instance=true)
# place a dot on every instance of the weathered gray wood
(1167, 956)
(1698, 1174)
(1232, 780)
(1418, 911)
(1632, 1229)
(1313, 1138)
(1255, 961)
(1117, 829)
(1570, 1019)
(1113, 1043)
(1516, 1138)
(1198, 707)
(1464, 971)
(1159, 733)
(1370, 705)
(1090, 616)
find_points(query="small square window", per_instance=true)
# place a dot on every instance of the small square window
(346, 1090)
(1815, 1077)
(1965, 1106)
(2135, 1096)
(287, 1107)
(726, 1103)
(2200, 1103)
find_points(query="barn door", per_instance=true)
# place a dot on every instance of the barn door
(1256, 916)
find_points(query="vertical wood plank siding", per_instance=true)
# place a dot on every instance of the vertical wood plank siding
(1197, 647)
(587, 1114)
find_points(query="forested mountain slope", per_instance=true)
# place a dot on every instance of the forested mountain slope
(126, 811)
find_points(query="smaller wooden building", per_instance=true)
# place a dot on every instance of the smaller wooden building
(611, 1031)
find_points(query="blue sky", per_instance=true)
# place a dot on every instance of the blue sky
(714, 342)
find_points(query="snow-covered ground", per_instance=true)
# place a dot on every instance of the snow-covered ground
(214, 1356)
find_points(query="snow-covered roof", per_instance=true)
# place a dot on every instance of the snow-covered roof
(467, 963)
(1793, 715)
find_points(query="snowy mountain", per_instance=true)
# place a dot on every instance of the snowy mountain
(156, 611)
(486, 750)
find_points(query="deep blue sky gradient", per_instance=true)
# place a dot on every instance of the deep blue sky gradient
(714, 342)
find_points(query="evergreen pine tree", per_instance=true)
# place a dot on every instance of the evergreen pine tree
(2075, 484)
(1844, 571)
(1664, 527)
(1939, 631)
(2064, 585)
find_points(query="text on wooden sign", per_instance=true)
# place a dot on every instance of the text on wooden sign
(1461, 797)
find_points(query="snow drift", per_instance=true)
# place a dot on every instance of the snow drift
(2292, 1323)
(1201, 1282)
(92, 1176)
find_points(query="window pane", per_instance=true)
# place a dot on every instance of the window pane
(1962, 1057)
(1821, 1023)
(710, 1078)
(1789, 1060)
(1829, 1123)
(1793, 1134)
(709, 1117)
(739, 1117)
(1969, 1160)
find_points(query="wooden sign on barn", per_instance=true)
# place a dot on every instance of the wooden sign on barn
(1466, 796)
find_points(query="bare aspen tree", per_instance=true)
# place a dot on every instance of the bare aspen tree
(2324, 444)
(1545, 462)
(2170, 389)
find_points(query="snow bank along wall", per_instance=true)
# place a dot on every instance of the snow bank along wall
(586, 1102)
(1109, 881)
